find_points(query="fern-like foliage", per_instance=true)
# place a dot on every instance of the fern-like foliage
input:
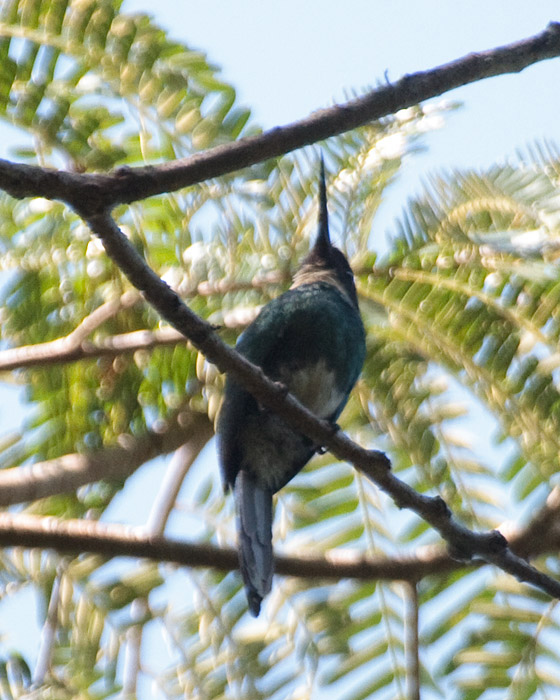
(463, 327)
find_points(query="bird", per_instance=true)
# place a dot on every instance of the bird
(310, 339)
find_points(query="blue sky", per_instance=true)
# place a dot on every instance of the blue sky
(288, 59)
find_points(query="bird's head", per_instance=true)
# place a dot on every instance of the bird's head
(324, 262)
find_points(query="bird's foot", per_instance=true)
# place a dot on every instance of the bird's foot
(335, 427)
(282, 388)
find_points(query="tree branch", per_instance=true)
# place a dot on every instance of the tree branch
(67, 473)
(110, 540)
(178, 467)
(73, 346)
(64, 350)
(492, 546)
(78, 536)
(125, 185)
(412, 642)
(76, 345)
(48, 632)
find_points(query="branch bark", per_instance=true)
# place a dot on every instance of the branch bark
(77, 345)
(492, 546)
(67, 473)
(68, 349)
(93, 193)
(110, 540)
(412, 642)
(78, 536)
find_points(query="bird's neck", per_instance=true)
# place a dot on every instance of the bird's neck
(309, 274)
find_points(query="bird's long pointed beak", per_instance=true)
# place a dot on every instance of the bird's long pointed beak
(323, 237)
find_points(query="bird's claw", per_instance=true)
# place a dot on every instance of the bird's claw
(334, 428)
(282, 388)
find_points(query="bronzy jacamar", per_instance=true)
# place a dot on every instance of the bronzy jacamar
(312, 340)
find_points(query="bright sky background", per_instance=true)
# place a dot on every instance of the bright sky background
(287, 59)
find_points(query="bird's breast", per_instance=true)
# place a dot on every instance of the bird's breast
(315, 386)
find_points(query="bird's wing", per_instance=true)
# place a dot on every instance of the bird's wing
(256, 343)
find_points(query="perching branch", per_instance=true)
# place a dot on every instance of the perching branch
(492, 546)
(101, 192)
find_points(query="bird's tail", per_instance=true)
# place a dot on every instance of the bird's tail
(254, 526)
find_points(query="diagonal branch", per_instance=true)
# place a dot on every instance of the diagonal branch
(66, 474)
(76, 345)
(464, 544)
(125, 185)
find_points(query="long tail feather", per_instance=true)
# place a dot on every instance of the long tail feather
(254, 526)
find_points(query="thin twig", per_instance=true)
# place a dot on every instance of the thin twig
(48, 633)
(179, 464)
(132, 662)
(412, 645)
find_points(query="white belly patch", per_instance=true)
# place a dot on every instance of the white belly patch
(315, 387)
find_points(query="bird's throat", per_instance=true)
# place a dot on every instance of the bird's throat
(309, 274)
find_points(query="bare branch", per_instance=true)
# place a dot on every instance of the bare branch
(132, 660)
(412, 643)
(178, 466)
(110, 540)
(93, 193)
(76, 345)
(48, 632)
(77, 536)
(177, 469)
(59, 351)
(73, 346)
(67, 473)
